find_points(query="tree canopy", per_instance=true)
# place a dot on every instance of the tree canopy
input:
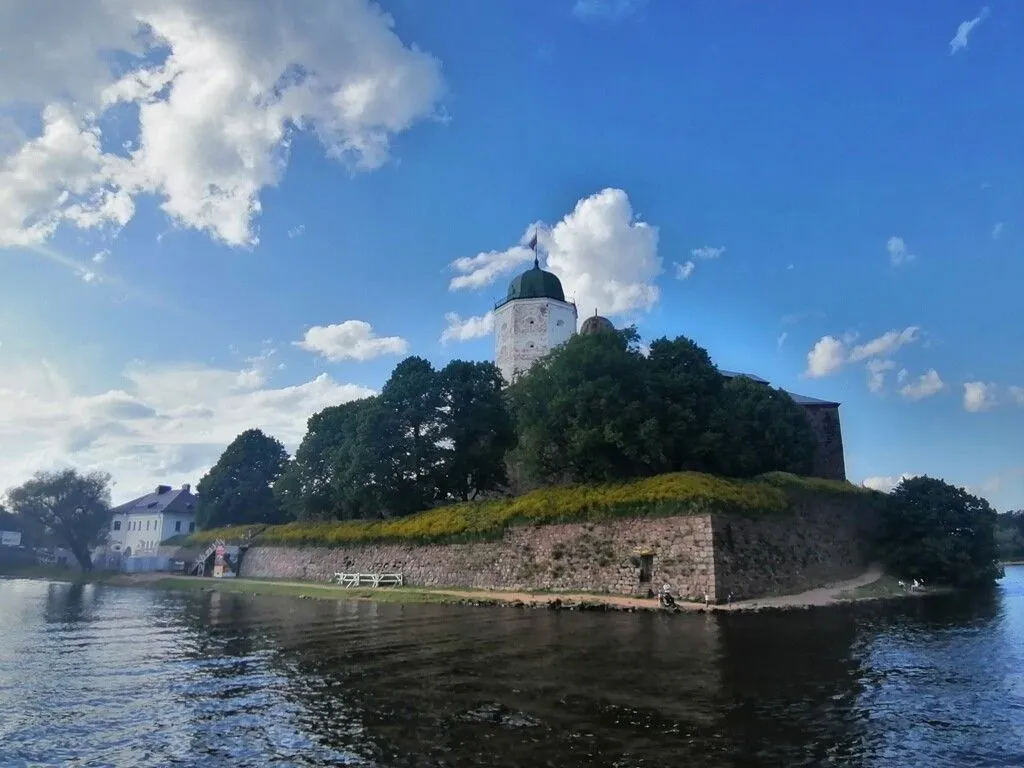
(74, 508)
(939, 533)
(239, 487)
(595, 409)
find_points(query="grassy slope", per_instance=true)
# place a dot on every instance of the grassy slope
(660, 496)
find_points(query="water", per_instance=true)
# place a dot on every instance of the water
(129, 677)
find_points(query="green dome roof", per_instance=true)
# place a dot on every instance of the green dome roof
(536, 284)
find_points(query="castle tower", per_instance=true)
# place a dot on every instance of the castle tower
(533, 319)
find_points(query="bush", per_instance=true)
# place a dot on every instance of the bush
(660, 496)
(939, 533)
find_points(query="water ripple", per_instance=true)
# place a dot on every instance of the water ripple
(110, 676)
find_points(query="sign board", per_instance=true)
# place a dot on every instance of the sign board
(10, 538)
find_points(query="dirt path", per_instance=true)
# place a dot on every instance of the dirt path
(825, 595)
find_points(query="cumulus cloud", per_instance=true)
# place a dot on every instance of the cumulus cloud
(829, 353)
(464, 329)
(705, 253)
(214, 91)
(885, 484)
(876, 373)
(959, 41)
(350, 340)
(979, 396)
(606, 259)
(898, 253)
(685, 269)
(926, 385)
(166, 424)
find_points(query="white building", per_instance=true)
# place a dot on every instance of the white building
(532, 320)
(138, 526)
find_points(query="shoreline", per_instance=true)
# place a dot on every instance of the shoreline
(872, 585)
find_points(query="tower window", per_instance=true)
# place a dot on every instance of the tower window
(560, 322)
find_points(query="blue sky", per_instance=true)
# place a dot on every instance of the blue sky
(208, 223)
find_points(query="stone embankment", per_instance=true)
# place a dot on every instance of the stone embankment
(712, 558)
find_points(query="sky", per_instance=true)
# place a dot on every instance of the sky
(216, 215)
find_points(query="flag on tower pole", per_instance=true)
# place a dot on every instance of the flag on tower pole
(533, 242)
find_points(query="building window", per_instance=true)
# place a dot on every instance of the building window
(191, 527)
(560, 323)
(117, 525)
(147, 525)
(177, 526)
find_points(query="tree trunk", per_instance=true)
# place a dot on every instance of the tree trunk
(83, 557)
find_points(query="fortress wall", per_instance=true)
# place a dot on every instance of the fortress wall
(829, 461)
(590, 557)
(820, 542)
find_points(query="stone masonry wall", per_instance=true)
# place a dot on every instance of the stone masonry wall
(591, 557)
(829, 461)
(820, 542)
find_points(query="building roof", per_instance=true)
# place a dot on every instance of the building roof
(596, 324)
(535, 283)
(163, 499)
(805, 400)
(735, 374)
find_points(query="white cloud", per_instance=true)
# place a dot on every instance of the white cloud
(829, 354)
(885, 484)
(608, 10)
(459, 329)
(782, 339)
(685, 269)
(886, 344)
(926, 385)
(100, 256)
(876, 373)
(826, 356)
(997, 230)
(168, 424)
(901, 376)
(898, 253)
(215, 91)
(959, 41)
(296, 231)
(485, 268)
(1016, 394)
(707, 252)
(606, 259)
(979, 396)
(350, 340)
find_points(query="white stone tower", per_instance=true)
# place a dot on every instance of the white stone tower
(532, 320)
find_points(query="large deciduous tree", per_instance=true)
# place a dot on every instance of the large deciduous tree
(939, 533)
(687, 390)
(74, 508)
(476, 429)
(238, 489)
(764, 431)
(584, 412)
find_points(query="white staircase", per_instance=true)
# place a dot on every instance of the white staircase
(196, 569)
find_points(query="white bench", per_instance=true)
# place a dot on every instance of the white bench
(369, 579)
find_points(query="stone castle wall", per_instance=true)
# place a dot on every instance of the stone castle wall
(829, 462)
(697, 555)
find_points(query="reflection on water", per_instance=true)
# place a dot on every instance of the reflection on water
(112, 676)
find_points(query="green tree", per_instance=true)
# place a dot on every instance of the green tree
(72, 507)
(938, 533)
(764, 431)
(584, 412)
(324, 480)
(476, 429)
(1010, 535)
(238, 489)
(688, 393)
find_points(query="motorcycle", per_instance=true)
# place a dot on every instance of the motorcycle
(665, 599)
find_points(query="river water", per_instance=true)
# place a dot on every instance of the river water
(100, 675)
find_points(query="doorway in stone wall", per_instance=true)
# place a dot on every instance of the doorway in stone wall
(646, 568)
